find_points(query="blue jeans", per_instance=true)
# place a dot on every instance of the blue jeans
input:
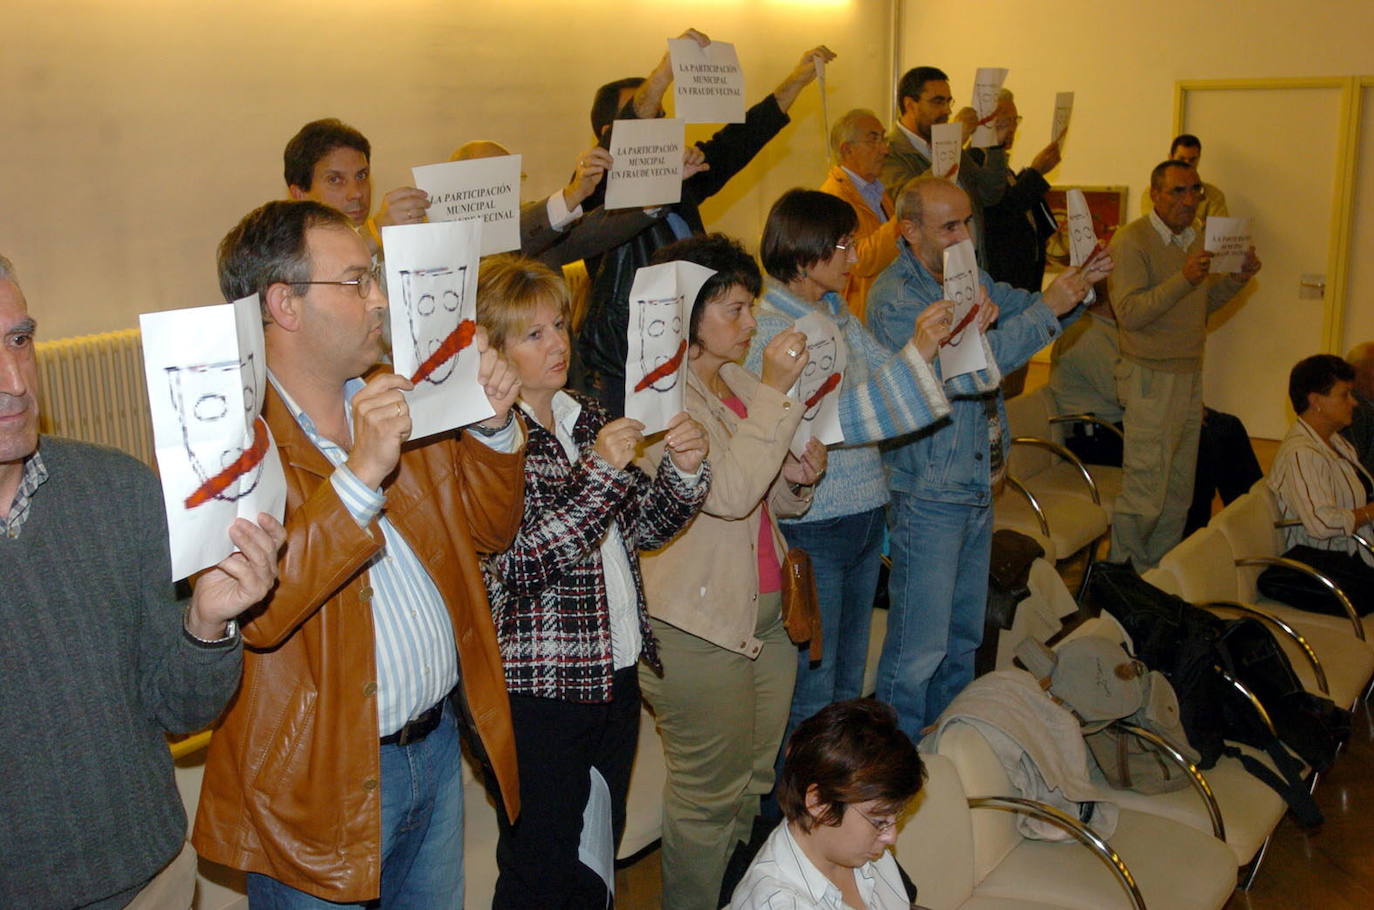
(422, 831)
(846, 556)
(939, 594)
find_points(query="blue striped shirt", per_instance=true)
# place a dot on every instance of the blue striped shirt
(417, 662)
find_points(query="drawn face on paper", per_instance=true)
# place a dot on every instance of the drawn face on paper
(964, 296)
(204, 397)
(660, 328)
(433, 300)
(823, 364)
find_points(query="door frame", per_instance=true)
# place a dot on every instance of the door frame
(1342, 191)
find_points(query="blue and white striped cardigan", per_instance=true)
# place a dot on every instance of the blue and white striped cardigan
(884, 395)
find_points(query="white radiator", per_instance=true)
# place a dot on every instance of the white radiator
(93, 390)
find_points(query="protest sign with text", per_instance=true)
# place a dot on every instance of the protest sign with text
(1227, 239)
(648, 163)
(708, 85)
(486, 188)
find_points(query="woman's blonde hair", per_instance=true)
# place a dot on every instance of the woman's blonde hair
(509, 289)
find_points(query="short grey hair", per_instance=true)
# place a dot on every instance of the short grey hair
(7, 272)
(846, 129)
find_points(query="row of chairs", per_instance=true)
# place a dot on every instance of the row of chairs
(1180, 849)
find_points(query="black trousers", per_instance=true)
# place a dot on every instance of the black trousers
(557, 744)
(1350, 573)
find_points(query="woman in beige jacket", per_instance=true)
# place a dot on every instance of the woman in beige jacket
(713, 593)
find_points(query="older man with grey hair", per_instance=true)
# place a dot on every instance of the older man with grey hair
(99, 657)
(859, 147)
(1361, 429)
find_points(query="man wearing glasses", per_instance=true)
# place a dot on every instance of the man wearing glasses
(335, 773)
(1162, 292)
(923, 100)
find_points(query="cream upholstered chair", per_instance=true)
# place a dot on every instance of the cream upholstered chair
(1158, 862)
(1049, 495)
(1034, 415)
(1330, 661)
(1251, 525)
(935, 847)
(1245, 810)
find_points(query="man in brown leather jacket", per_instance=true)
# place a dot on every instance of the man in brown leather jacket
(335, 773)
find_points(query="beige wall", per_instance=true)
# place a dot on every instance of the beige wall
(136, 133)
(1122, 60)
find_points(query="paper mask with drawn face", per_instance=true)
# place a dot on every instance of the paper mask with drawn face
(433, 301)
(819, 370)
(204, 399)
(661, 330)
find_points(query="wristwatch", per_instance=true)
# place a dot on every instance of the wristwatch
(492, 431)
(231, 631)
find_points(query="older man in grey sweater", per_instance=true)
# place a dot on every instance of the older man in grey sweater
(98, 658)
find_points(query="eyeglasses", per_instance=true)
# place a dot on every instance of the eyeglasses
(881, 825)
(845, 244)
(363, 283)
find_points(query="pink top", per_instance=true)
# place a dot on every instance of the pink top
(770, 572)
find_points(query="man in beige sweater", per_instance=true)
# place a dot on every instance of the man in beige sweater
(1162, 291)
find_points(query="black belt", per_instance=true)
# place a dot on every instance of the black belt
(417, 729)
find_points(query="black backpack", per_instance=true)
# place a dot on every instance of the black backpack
(1197, 650)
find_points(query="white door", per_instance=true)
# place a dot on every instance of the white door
(1273, 151)
(1358, 316)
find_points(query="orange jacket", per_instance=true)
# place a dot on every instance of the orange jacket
(291, 786)
(877, 241)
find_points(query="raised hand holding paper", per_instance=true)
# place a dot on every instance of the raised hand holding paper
(207, 376)
(946, 145)
(963, 352)
(1082, 236)
(986, 84)
(1227, 239)
(818, 387)
(648, 163)
(661, 301)
(1063, 109)
(486, 188)
(708, 85)
(431, 276)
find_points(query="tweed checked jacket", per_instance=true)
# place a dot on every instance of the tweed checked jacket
(548, 591)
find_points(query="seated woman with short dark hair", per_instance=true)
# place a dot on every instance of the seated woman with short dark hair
(1318, 480)
(850, 773)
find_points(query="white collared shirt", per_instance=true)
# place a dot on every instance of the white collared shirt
(781, 877)
(916, 141)
(1182, 239)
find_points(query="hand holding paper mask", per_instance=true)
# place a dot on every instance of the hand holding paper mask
(784, 357)
(933, 328)
(618, 441)
(239, 581)
(498, 380)
(381, 422)
(687, 442)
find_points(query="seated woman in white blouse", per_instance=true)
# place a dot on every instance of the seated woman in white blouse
(849, 774)
(1318, 480)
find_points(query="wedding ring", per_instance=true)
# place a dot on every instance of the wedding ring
(792, 353)
(400, 409)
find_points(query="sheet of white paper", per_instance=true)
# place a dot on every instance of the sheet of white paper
(1227, 239)
(431, 279)
(825, 104)
(986, 85)
(708, 85)
(964, 352)
(486, 188)
(1063, 109)
(1082, 236)
(596, 849)
(946, 145)
(661, 301)
(207, 376)
(820, 381)
(648, 163)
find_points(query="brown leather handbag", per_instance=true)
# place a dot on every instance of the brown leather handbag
(801, 608)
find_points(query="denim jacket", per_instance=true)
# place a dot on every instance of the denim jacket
(949, 461)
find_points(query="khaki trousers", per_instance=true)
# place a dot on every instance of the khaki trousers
(171, 889)
(721, 717)
(1159, 461)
